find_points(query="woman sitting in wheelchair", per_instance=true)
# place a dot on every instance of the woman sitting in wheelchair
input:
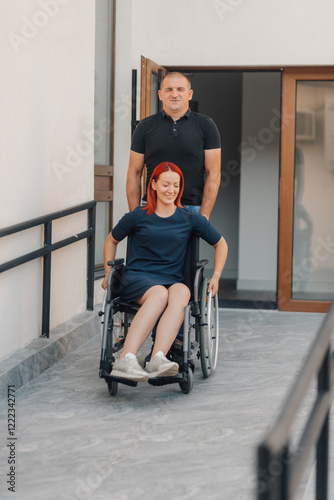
(153, 272)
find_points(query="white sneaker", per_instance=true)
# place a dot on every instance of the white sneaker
(129, 368)
(160, 366)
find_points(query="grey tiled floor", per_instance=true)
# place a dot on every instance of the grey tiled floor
(74, 441)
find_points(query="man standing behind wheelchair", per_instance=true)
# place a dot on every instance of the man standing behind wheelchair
(189, 140)
(186, 138)
(153, 273)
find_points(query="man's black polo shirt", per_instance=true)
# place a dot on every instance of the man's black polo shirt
(182, 142)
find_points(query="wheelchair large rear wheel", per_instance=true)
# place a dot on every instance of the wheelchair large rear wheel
(209, 330)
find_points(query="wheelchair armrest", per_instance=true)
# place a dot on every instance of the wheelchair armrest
(116, 262)
(201, 263)
(198, 277)
(114, 278)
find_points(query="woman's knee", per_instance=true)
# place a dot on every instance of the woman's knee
(159, 295)
(162, 294)
(179, 293)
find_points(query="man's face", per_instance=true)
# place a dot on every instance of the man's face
(175, 94)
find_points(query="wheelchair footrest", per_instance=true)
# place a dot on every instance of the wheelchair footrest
(165, 380)
(103, 373)
(121, 380)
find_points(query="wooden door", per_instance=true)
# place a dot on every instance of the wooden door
(306, 227)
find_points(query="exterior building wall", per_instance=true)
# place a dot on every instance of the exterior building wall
(219, 33)
(233, 32)
(47, 156)
(225, 33)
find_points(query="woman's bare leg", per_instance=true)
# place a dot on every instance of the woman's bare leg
(152, 303)
(172, 318)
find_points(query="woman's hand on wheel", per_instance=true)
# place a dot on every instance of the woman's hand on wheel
(213, 285)
(104, 283)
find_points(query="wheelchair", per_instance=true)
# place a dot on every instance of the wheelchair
(200, 327)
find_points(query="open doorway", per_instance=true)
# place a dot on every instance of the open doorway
(245, 105)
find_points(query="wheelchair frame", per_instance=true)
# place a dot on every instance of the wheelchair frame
(200, 327)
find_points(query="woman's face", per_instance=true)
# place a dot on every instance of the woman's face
(167, 187)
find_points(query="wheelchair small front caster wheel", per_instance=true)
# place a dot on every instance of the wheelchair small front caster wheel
(112, 387)
(186, 386)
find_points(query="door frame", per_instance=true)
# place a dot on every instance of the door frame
(104, 174)
(287, 176)
(147, 68)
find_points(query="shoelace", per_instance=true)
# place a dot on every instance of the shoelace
(132, 361)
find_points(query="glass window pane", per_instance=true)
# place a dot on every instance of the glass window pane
(103, 81)
(313, 237)
(102, 229)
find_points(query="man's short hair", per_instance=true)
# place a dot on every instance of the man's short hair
(175, 73)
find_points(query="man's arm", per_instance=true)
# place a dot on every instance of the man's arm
(212, 161)
(133, 181)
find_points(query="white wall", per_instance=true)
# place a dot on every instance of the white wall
(259, 182)
(47, 114)
(233, 32)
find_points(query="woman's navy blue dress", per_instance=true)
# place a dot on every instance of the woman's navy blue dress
(158, 247)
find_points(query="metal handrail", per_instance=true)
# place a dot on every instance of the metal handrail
(50, 247)
(279, 469)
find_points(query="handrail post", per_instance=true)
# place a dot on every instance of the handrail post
(264, 483)
(322, 462)
(91, 259)
(46, 281)
(285, 472)
(322, 444)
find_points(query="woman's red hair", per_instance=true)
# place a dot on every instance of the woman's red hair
(165, 166)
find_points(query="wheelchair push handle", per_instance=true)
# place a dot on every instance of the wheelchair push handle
(115, 263)
(201, 263)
